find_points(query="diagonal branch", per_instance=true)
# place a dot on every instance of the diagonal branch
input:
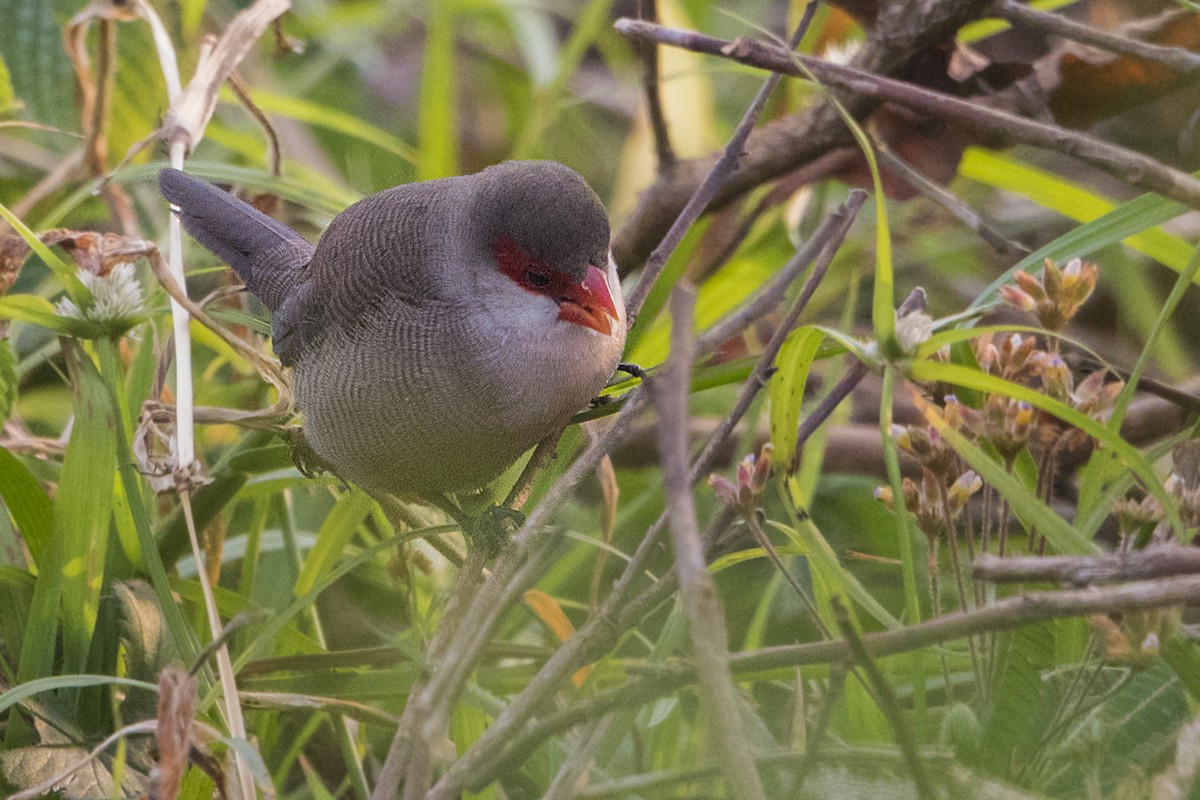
(1132, 167)
(1057, 25)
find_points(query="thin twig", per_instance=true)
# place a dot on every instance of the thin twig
(508, 578)
(576, 764)
(260, 118)
(831, 232)
(1013, 612)
(947, 200)
(701, 606)
(648, 53)
(1056, 25)
(1153, 562)
(542, 455)
(839, 226)
(716, 177)
(1127, 165)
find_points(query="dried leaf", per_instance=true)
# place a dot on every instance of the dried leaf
(551, 614)
(176, 710)
(193, 108)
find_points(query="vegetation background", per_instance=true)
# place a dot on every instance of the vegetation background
(832, 648)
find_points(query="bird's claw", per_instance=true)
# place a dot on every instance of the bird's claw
(632, 369)
(303, 456)
(492, 529)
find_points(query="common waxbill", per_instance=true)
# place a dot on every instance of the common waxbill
(438, 329)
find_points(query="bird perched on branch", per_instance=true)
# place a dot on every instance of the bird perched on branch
(439, 329)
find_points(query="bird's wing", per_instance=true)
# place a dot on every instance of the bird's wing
(399, 247)
(270, 258)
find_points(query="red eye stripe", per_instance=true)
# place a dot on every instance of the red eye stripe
(527, 273)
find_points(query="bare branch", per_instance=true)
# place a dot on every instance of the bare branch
(1057, 25)
(1130, 166)
(648, 53)
(1013, 612)
(720, 172)
(1153, 562)
(698, 592)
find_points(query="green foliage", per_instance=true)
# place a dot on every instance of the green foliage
(330, 600)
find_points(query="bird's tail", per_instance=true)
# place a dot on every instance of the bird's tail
(269, 257)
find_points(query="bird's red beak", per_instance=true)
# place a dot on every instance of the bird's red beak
(590, 303)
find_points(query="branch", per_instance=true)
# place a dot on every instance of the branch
(701, 606)
(1130, 166)
(1176, 58)
(778, 148)
(648, 53)
(1014, 612)
(713, 181)
(1154, 562)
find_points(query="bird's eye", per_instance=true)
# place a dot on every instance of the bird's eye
(537, 279)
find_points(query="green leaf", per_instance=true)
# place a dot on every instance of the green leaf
(329, 118)
(26, 502)
(787, 391)
(41, 312)
(74, 563)
(962, 376)
(8, 379)
(28, 689)
(8, 97)
(825, 565)
(1004, 171)
(1127, 219)
(1028, 507)
(1140, 723)
(339, 525)
(65, 272)
(1182, 656)
(1018, 713)
(148, 647)
(31, 41)
(16, 595)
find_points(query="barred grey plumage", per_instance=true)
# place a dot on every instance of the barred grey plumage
(420, 364)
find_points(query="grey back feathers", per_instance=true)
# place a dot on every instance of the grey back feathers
(407, 245)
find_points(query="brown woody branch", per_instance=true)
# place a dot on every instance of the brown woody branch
(905, 30)
(1155, 562)
(1127, 165)
(1014, 612)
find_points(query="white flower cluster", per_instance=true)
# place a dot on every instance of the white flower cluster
(117, 296)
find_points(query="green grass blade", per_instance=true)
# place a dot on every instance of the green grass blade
(27, 503)
(339, 525)
(437, 119)
(787, 391)
(62, 270)
(1004, 171)
(332, 119)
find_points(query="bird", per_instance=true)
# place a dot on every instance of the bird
(438, 329)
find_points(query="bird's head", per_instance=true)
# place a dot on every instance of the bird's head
(545, 231)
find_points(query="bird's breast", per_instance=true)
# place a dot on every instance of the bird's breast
(429, 401)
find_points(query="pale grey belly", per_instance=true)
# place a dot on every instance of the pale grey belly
(386, 427)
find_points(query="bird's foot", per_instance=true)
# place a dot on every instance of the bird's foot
(632, 369)
(303, 456)
(492, 529)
